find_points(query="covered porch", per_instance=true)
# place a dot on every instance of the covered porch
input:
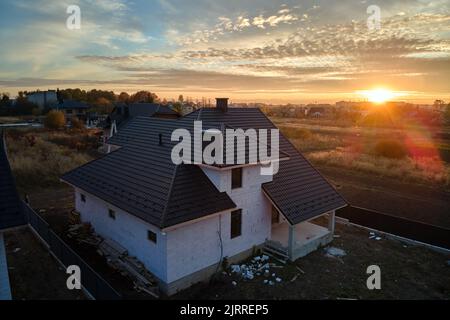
(296, 241)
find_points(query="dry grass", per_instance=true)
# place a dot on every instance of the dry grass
(381, 152)
(420, 170)
(307, 141)
(37, 162)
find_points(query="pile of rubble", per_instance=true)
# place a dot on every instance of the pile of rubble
(374, 236)
(83, 233)
(259, 266)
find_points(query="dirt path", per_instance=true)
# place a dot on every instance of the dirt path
(415, 202)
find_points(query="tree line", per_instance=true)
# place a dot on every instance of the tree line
(101, 101)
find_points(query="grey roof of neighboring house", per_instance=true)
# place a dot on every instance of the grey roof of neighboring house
(141, 178)
(136, 110)
(72, 104)
(11, 210)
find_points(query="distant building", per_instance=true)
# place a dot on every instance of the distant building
(122, 113)
(43, 98)
(72, 108)
(317, 110)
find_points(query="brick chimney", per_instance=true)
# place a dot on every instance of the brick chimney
(222, 104)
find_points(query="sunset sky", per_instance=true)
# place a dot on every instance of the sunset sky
(259, 50)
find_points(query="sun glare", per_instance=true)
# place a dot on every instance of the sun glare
(379, 95)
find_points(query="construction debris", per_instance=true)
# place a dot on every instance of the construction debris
(74, 217)
(258, 266)
(295, 277)
(83, 233)
(374, 236)
(117, 257)
(298, 268)
(334, 252)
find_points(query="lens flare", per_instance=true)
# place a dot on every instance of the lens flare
(379, 95)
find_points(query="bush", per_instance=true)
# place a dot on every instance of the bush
(77, 123)
(55, 120)
(390, 149)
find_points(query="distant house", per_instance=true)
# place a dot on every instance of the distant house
(72, 108)
(183, 221)
(315, 112)
(43, 98)
(123, 113)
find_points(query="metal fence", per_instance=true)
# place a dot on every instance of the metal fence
(414, 230)
(96, 286)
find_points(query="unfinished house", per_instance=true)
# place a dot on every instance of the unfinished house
(183, 220)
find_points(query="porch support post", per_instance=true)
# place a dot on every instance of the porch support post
(331, 221)
(291, 241)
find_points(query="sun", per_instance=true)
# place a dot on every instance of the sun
(379, 95)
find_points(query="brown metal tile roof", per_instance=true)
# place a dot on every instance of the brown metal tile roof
(11, 210)
(141, 178)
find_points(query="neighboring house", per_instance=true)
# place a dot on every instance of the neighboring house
(123, 113)
(11, 215)
(182, 221)
(43, 98)
(315, 112)
(72, 108)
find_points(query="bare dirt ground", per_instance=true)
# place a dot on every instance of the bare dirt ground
(34, 274)
(407, 272)
(411, 201)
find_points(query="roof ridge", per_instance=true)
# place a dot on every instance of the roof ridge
(199, 114)
(169, 194)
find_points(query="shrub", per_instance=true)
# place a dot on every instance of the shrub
(390, 149)
(77, 123)
(55, 120)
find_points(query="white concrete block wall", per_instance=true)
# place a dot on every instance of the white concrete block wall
(127, 230)
(193, 246)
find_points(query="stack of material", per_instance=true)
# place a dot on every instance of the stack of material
(118, 258)
(83, 234)
(74, 217)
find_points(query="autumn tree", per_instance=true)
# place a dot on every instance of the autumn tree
(143, 96)
(102, 106)
(55, 120)
(77, 123)
(123, 97)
